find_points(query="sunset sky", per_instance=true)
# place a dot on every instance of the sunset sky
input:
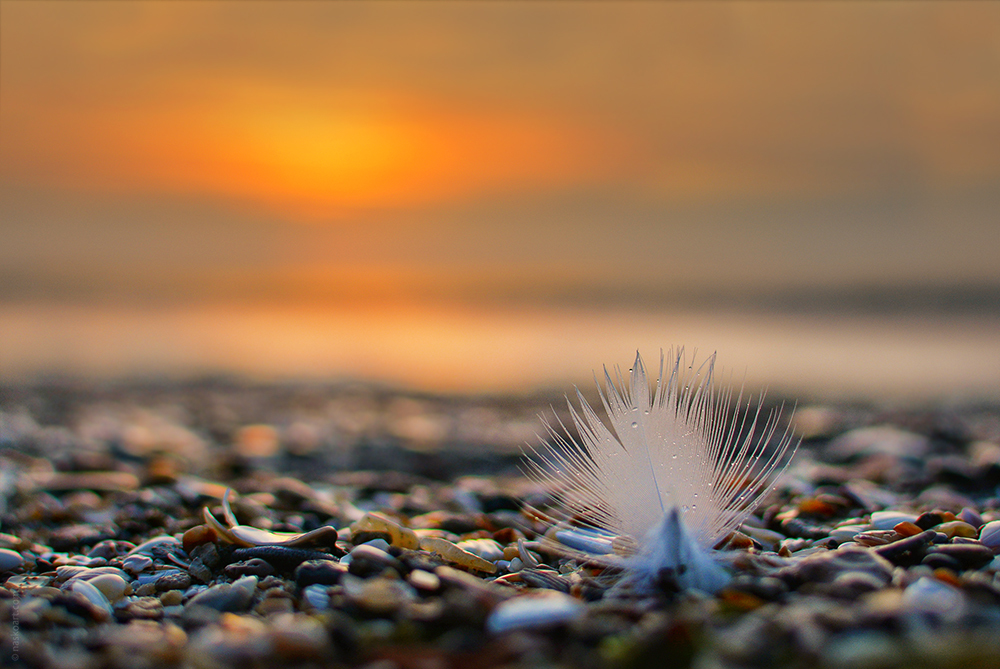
(523, 152)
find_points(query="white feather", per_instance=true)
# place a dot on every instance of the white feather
(677, 471)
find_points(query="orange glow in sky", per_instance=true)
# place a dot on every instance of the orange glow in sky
(312, 159)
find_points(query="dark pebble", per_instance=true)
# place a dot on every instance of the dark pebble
(251, 567)
(282, 558)
(174, 580)
(369, 561)
(767, 588)
(941, 561)
(907, 551)
(319, 572)
(926, 521)
(796, 528)
(109, 549)
(969, 556)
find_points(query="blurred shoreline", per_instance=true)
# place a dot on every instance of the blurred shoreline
(923, 353)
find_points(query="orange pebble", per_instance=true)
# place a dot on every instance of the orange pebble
(907, 529)
(817, 507)
(947, 576)
(196, 536)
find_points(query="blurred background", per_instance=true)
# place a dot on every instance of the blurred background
(502, 197)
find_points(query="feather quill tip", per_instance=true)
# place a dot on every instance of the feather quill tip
(677, 470)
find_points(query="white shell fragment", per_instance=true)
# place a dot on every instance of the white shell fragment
(246, 536)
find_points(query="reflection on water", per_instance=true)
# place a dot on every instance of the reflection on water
(470, 349)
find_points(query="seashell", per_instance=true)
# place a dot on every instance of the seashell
(112, 586)
(456, 555)
(376, 523)
(246, 536)
(989, 535)
(92, 594)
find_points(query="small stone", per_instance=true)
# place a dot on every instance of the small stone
(930, 595)
(317, 596)
(970, 556)
(426, 581)
(172, 598)
(136, 564)
(825, 566)
(252, 567)
(957, 528)
(256, 441)
(971, 516)
(233, 597)
(94, 596)
(366, 560)
(173, 580)
(379, 596)
(298, 638)
(908, 550)
(929, 519)
(487, 549)
(10, 560)
(880, 440)
(886, 520)
(196, 536)
(109, 549)
(534, 611)
(907, 529)
(319, 572)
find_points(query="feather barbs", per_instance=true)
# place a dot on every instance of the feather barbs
(688, 449)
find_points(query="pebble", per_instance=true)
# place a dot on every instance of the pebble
(971, 516)
(969, 556)
(136, 564)
(367, 560)
(319, 572)
(415, 589)
(93, 595)
(317, 596)
(251, 567)
(173, 580)
(10, 560)
(379, 596)
(825, 566)
(233, 597)
(886, 520)
(957, 528)
(534, 611)
(930, 595)
(487, 549)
